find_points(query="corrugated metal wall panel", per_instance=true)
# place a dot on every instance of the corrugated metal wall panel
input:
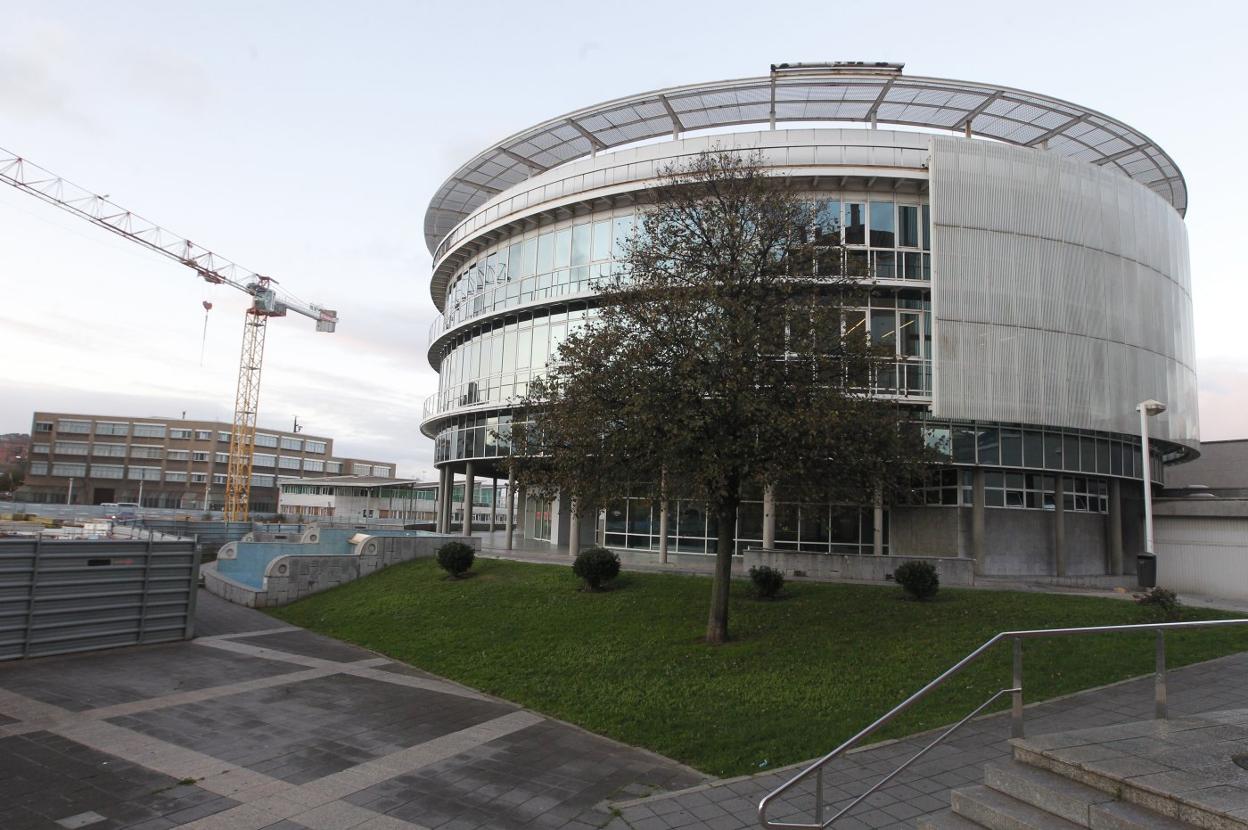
(59, 596)
(1061, 293)
(1204, 555)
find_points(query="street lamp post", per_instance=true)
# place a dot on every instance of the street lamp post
(1146, 562)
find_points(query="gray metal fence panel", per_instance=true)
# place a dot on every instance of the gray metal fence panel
(61, 596)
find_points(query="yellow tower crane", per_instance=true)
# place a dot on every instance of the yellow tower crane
(266, 301)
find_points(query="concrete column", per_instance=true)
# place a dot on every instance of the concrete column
(663, 531)
(769, 517)
(511, 503)
(468, 488)
(978, 532)
(494, 504)
(522, 505)
(448, 506)
(877, 524)
(574, 528)
(1115, 527)
(439, 518)
(1059, 526)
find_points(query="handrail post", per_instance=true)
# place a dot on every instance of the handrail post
(819, 796)
(1016, 715)
(1159, 678)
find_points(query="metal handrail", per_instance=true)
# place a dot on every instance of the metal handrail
(1016, 715)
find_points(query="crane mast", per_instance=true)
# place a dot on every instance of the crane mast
(266, 301)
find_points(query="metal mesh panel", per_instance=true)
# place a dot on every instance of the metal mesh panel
(1061, 293)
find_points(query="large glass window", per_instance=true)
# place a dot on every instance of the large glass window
(855, 223)
(882, 235)
(908, 226)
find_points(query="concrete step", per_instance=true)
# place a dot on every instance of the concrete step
(998, 811)
(1046, 790)
(1122, 815)
(946, 820)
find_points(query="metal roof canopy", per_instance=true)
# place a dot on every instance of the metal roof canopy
(855, 92)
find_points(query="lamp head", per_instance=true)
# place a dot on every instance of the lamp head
(1151, 407)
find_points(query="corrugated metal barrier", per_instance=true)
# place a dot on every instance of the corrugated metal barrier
(61, 596)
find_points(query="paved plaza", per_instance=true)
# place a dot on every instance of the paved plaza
(261, 726)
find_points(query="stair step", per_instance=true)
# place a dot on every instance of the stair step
(1046, 790)
(998, 811)
(1122, 815)
(946, 820)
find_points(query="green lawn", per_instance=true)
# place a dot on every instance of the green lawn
(801, 675)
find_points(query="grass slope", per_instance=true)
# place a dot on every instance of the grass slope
(801, 675)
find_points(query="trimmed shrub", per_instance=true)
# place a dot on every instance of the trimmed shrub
(456, 558)
(596, 566)
(919, 579)
(1162, 600)
(767, 581)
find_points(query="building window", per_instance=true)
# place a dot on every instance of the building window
(149, 430)
(384, 472)
(288, 443)
(146, 451)
(263, 481)
(218, 478)
(361, 469)
(109, 450)
(203, 435)
(143, 473)
(223, 437)
(199, 456)
(71, 447)
(175, 477)
(316, 447)
(111, 428)
(262, 459)
(43, 426)
(313, 466)
(222, 457)
(333, 467)
(39, 449)
(263, 440)
(69, 470)
(178, 455)
(200, 478)
(108, 471)
(287, 462)
(82, 427)
(39, 468)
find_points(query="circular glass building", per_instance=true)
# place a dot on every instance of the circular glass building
(1029, 269)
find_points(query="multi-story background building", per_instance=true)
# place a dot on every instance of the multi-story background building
(364, 498)
(1029, 268)
(167, 462)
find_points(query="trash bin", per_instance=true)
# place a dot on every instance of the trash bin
(1146, 570)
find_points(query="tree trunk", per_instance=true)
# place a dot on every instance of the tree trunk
(717, 624)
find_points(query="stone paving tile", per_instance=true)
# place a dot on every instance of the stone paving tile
(311, 645)
(309, 730)
(80, 682)
(546, 775)
(45, 778)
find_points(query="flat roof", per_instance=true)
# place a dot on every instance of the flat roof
(866, 93)
(354, 481)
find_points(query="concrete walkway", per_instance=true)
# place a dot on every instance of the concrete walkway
(259, 725)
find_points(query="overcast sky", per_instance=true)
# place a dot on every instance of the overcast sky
(303, 140)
